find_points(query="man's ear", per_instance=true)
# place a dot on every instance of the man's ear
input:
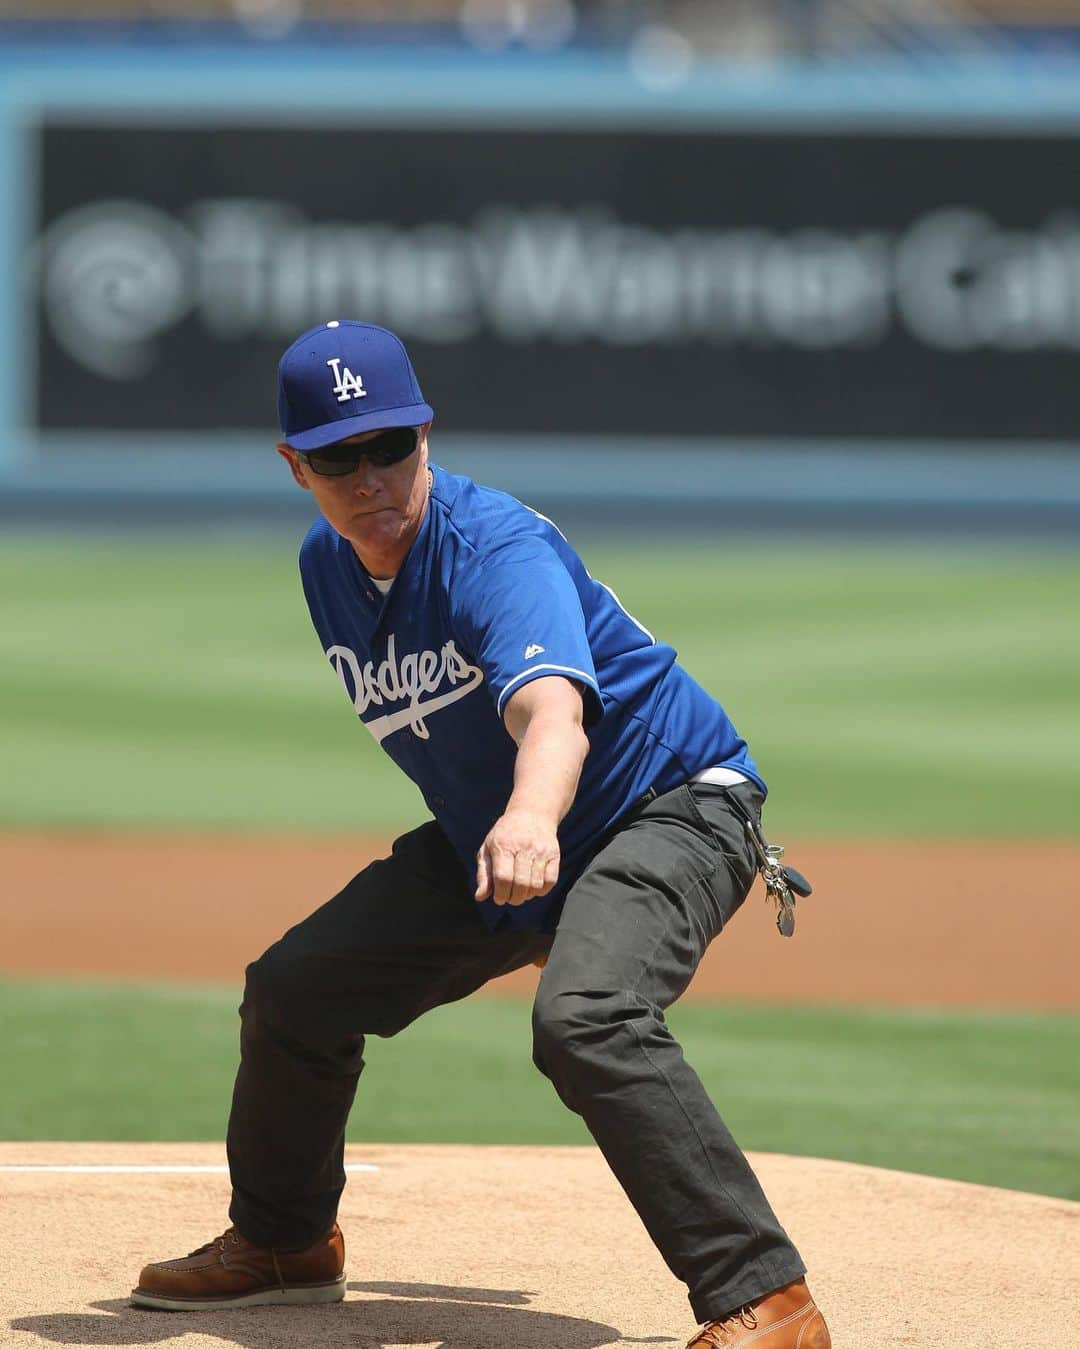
(292, 459)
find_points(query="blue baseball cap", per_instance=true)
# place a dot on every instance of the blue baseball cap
(342, 378)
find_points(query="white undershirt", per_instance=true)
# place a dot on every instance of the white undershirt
(720, 776)
(383, 584)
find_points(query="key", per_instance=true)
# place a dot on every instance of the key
(780, 881)
(777, 889)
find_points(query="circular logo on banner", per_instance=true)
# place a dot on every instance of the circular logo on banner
(114, 276)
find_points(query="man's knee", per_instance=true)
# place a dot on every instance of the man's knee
(290, 992)
(575, 1033)
(275, 991)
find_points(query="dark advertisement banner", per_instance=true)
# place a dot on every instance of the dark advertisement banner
(899, 287)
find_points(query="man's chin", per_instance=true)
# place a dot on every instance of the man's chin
(369, 529)
(372, 524)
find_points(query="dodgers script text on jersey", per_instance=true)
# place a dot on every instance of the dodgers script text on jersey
(490, 596)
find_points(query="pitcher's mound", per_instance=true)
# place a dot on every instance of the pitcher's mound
(523, 1248)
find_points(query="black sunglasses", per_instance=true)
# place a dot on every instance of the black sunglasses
(380, 451)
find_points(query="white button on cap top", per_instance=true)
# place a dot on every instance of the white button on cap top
(333, 324)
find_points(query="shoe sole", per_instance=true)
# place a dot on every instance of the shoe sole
(299, 1295)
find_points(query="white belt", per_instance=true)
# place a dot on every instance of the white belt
(720, 776)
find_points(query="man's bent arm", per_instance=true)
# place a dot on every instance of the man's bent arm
(519, 859)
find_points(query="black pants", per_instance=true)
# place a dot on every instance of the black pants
(404, 936)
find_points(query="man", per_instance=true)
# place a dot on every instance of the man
(590, 807)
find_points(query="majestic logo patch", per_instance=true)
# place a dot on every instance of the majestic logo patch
(533, 650)
(346, 384)
(417, 673)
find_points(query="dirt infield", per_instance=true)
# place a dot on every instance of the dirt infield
(500, 1248)
(493, 1248)
(948, 924)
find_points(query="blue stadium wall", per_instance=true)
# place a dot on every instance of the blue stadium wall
(835, 296)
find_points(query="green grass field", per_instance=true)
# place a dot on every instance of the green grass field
(991, 1098)
(177, 684)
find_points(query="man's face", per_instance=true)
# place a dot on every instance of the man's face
(378, 510)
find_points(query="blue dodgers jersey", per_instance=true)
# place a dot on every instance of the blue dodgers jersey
(491, 596)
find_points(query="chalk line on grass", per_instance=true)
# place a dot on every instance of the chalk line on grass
(118, 1169)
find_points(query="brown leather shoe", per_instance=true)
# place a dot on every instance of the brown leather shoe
(786, 1319)
(230, 1272)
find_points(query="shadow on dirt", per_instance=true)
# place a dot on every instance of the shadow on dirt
(402, 1314)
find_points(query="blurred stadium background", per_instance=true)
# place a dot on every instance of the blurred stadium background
(811, 263)
(774, 306)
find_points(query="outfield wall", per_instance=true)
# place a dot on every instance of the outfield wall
(833, 296)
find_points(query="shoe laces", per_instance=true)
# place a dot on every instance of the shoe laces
(230, 1237)
(721, 1333)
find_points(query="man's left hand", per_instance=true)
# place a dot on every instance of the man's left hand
(519, 859)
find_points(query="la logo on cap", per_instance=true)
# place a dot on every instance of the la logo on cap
(321, 393)
(346, 384)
